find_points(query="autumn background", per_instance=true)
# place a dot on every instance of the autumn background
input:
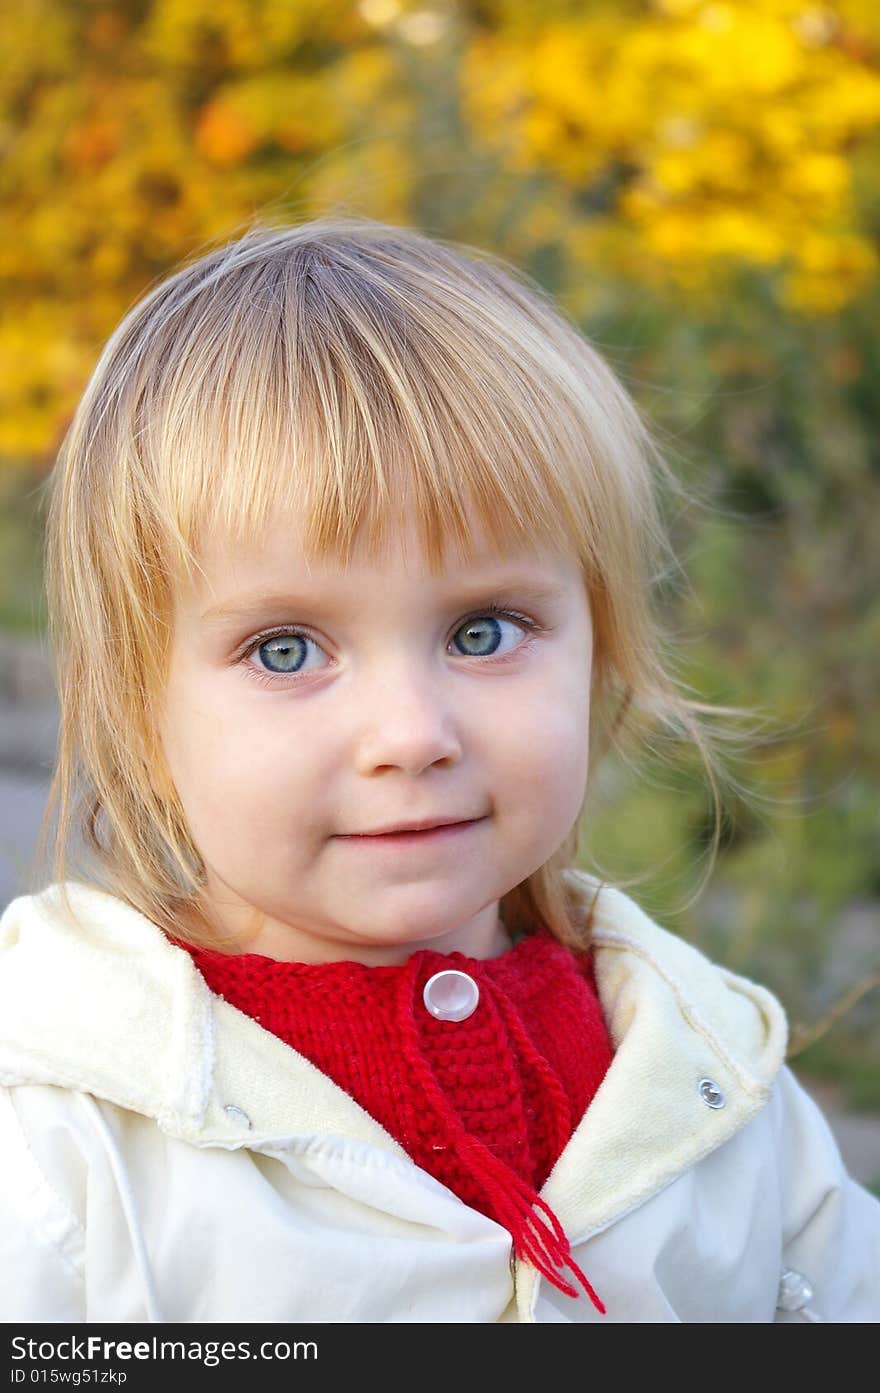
(697, 183)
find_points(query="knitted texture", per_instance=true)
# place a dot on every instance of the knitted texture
(485, 1104)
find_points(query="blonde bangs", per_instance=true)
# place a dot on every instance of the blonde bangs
(331, 387)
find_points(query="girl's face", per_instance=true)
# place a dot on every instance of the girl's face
(310, 707)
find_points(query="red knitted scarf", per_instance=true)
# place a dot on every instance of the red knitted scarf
(485, 1104)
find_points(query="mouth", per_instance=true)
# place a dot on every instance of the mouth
(447, 831)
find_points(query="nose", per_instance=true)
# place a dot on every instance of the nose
(406, 721)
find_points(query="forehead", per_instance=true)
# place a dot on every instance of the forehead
(231, 569)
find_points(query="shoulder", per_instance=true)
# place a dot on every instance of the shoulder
(642, 967)
(45, 1170)
(63, 1180)
(74, 911)
(94, 997)
(831, 1223)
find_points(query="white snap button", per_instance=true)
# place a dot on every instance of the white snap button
(451, 996)
(794, 1291)
(710, 1093)
(237, 1115)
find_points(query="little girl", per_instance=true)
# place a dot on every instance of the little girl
(349, 564)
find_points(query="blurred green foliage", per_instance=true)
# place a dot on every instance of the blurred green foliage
(22, 514)
(779, 418)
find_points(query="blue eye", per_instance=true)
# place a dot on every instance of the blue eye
(484, 632)
(285, 652)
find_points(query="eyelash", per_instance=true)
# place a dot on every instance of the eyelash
(271, 679)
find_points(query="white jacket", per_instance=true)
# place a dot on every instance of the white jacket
(167, 1159)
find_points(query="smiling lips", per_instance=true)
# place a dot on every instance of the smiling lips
(412, 836)
(425, 824)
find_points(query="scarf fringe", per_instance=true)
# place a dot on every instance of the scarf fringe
(511, 1202)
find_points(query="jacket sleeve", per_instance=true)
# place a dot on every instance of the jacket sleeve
(41, 1241)
(831, 1237)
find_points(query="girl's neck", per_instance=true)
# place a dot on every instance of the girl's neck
(270, 941)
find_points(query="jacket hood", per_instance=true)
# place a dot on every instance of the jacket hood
(110, 1007)
(697, 1049)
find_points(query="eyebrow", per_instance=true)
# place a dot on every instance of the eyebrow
(527, 588)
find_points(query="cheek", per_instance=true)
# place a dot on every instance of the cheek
(230, 804)
(565, 759)
(545, 741)
(202, 749)
(240, 780)
(563, 751)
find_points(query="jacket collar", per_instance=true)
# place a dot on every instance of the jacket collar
(179, 1054)
(687, 1034)
(696, 1051)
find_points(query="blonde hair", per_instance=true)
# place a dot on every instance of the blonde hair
(332, 366)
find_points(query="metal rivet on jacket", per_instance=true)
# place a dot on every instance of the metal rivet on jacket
(710, 1093)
